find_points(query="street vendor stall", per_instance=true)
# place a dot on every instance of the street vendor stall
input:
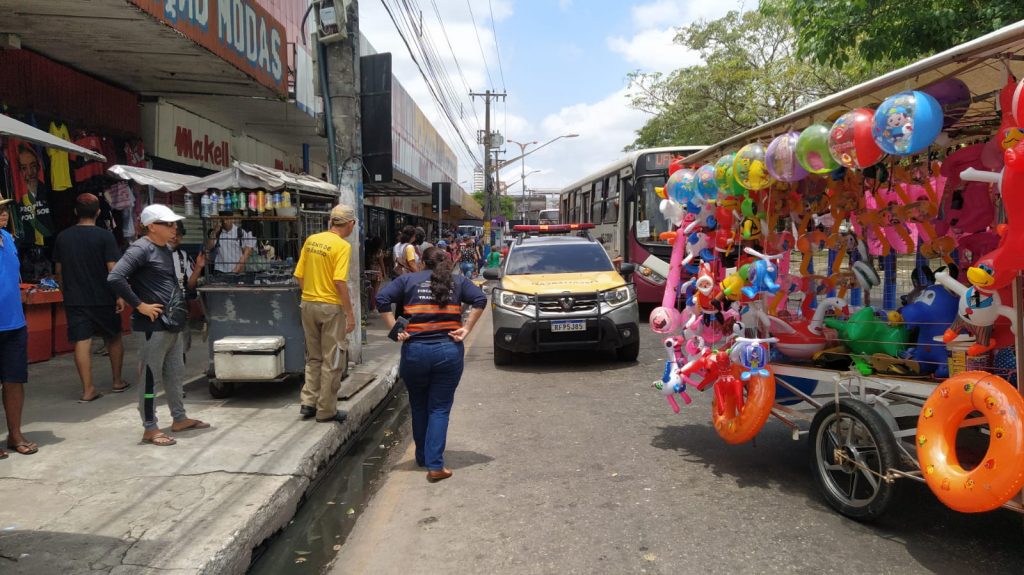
(794, 242)
(42, 302)
(255, 220)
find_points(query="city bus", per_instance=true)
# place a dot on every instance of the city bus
(621, 203)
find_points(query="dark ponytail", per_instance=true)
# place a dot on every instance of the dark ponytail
(440, 266)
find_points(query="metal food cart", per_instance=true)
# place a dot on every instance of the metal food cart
(254, 327)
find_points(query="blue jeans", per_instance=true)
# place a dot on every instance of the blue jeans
(431, 372)
(467, 268)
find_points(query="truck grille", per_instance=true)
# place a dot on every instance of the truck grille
(566, 303)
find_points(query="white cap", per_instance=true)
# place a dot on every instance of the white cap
(158, 213)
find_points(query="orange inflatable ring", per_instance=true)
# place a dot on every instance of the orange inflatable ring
(737, 419)
(1000, 475)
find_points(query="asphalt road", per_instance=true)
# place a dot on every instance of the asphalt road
(571, 463)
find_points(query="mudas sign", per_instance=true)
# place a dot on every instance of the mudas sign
(239, 31)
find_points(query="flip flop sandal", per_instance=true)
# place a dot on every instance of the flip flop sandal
(24, 448)
(93, 398)
(160, 440)
(3, 454)
(124, 386)
(196, 424)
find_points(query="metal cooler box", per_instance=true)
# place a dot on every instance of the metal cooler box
(248, 358)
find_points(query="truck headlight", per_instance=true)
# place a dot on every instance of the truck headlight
(511, 300)
(618, 296)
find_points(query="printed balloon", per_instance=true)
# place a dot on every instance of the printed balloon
(723, 168)
(812, 150)
(706, 184)
(781, 159)
(907, 123)
(681, 186)
(749, 167)
(850, 141)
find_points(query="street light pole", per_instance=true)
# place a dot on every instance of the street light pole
(522, 156)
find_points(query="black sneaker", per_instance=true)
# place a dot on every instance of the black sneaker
(307, 411)
(339, 416)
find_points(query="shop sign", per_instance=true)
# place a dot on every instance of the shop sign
(241, 32)
(203, 150)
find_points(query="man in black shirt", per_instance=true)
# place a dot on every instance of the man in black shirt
(84, 254)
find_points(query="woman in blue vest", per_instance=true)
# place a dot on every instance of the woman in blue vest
(432, 348)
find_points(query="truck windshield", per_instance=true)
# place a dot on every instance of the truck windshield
(558, 259)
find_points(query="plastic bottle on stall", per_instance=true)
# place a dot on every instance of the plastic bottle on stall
(204, 206)
(240, 201)
(253, 205)
(189, 208)
(214, 203)
(286, 197)
(261, 202)
(277, 200)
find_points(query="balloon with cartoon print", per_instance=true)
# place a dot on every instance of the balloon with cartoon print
(749, 167)
(850, 141)
(781, 158)
(812, 150)
(907, 123)
(723, 174)
(676, 187)
(707, 185)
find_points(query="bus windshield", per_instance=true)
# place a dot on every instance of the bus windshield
(548, 217)
(649, 221)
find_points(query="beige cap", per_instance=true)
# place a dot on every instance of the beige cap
(5, 201)
(342, 214)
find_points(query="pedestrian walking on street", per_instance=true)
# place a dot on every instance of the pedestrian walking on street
(13, 339)
(144, 277)
(432, 349)
(407, 259)
(467, 258)
(327, 315)
(83, 256)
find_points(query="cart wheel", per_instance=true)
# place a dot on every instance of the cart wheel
(221, 389)
(856, 430)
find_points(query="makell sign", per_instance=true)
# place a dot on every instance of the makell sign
(241, 32)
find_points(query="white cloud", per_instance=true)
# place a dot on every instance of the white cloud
(651, 47)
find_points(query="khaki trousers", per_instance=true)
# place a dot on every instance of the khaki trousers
(326, 355)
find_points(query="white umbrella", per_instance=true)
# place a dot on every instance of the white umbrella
(163, 181)
(11, 127)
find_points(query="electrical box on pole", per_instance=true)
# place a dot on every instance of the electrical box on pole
(331, 20)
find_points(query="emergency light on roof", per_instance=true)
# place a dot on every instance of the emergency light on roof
(552, 228)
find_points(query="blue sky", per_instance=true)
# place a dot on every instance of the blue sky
(565, 64)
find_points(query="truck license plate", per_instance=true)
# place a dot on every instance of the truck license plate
(569, 325)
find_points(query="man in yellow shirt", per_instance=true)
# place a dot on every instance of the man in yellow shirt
(322, 272)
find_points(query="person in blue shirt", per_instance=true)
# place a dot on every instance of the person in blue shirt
(432, 349)
(13, 339)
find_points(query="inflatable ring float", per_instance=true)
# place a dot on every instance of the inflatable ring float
(737, 418)
(1000, 474)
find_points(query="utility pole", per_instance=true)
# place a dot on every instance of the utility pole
(488, 187)
(339, 62)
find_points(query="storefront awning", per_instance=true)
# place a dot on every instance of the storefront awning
(243, 175)
(22, 131)
(163, 181)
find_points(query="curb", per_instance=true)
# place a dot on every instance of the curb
(236, 554)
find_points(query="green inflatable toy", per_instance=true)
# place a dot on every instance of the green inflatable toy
(865, 335)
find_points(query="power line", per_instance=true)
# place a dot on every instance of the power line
(430, 85)
(497, 49)
(479, 42)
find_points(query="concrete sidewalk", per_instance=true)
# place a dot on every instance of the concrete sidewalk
(95, 500)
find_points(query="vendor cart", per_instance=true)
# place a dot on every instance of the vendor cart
(880, 396)
(251, 303)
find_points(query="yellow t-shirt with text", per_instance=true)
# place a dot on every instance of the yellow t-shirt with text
(323, 261)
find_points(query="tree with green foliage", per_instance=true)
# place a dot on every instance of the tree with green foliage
(750, 74)
(834, 31)
(505, 205)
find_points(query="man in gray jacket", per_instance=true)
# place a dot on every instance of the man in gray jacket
(144, 278)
